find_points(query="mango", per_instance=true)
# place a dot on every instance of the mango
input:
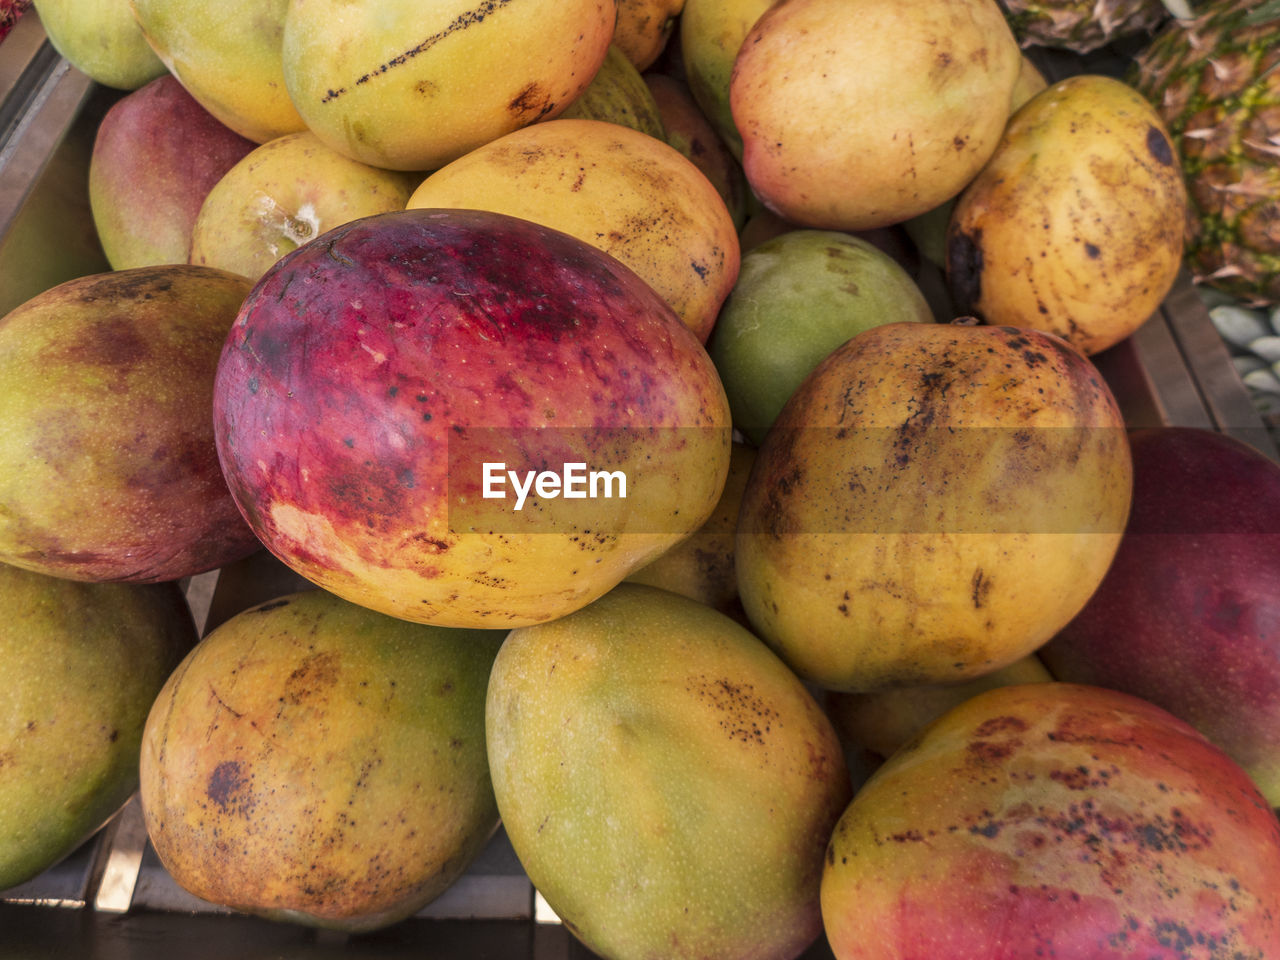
(701, 566)
(667, 783)
(624, 192)
(711, 34)
(644, 27)
(618, 94)
(83, 664)
(857, 114)
(314, 761)
(108, 468)
(389, 389)
(156, 155)
(102, 40)
(396, 84)
(1055, 820)
(285, 192)
(1075, 225)
(798, 297)
(228, 56)
(934, 502)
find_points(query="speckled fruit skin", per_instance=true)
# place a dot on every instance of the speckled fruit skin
(622, 191)
(228, 57)
(397, 85)
(286, 192)
(1075, 225)
(690, 132)
(856, 115)
(1188, 615)
(359, 358)
(934, 502)
(108, 469)
(1059, 821)
(83, 663)
(156, 155)
(618, 94)
(318, 762)
(644, 27)
(667, 783)
(701, 567)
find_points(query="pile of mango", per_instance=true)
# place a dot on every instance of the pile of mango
(583, 357)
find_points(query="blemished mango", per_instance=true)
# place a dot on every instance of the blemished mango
(934, 502)
(408, 86)
(624, 192)
(1075, 225)
(315, 761)
(667, 783)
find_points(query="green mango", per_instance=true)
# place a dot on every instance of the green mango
(798, 297)
(618, 94)
(83, 663)
(667, 783)
(102, 40)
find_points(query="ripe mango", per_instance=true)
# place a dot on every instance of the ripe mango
(83, 663)
(856, 114)
(667, 783)
(1055, 820)
(934, 502)
(227, 55)
(108, 469)
(315, 761)
(411, 86)
(1075, 225)
(624, 192)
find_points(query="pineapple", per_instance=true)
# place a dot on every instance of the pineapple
(1216, 81)
(1083, 25)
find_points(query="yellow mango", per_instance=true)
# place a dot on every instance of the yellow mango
(933, 503)
(622, 191)
(314, 761)
(1075, 225)
(407, 86)
(227, 56)
(667, 783)
(856, 114)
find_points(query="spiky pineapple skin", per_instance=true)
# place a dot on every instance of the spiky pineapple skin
(1216, 82)
(1081, 25)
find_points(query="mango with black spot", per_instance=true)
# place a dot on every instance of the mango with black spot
(934, 502)
(667, 783)
(1055, 820)
(1075, 225)
(314, 761)
(408, 86)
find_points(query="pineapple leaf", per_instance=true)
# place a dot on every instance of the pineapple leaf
(1263, 13)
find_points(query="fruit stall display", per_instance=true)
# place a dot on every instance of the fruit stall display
(850, 557)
